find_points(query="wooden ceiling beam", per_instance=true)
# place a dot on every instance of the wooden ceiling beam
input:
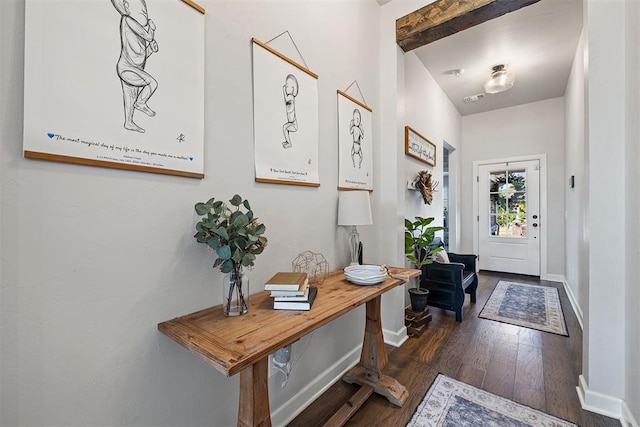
(445, 17)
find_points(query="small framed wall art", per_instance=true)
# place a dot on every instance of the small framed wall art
(419, 147)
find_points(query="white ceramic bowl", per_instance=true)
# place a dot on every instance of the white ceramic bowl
(365, 274)
(366, 282)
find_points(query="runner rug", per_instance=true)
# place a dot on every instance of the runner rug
(450, 403)
(531, 306)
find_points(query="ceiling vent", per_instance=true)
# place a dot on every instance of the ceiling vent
(473, 98)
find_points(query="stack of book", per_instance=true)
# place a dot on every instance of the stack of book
(291, 291)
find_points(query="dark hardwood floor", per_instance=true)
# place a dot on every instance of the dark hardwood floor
(535, 368)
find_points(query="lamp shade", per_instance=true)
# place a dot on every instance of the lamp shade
(501, 80)
(354, 208)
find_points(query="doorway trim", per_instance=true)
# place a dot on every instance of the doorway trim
(453, 195)
(542, 158)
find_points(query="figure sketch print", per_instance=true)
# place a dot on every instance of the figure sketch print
(285, 114)
(137, 43)
(139, 101)
(355, 144)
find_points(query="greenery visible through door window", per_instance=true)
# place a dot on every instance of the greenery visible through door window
(508, 204)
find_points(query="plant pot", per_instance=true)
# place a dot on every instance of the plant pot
(418, 299)
(235, 292)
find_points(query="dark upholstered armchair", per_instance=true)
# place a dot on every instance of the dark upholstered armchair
(447, 283)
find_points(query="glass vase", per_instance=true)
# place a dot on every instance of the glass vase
(235, 292)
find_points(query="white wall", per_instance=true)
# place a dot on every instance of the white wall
(511, 132)
(92, 259)
(400, 75)
(632, 156)
(390, 163)
(604, 318)
(430, 112)
(576, 199)
(610, 378)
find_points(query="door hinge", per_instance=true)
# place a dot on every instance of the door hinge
(477, 178)
(478, 218)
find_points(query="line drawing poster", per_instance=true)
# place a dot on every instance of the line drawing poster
(355, 144)
(115, 83)
(285, 118)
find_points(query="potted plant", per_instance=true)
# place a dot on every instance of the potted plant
(418, 248)
(237, 237)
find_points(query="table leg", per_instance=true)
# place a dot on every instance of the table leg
(253, 410)
(374, 358)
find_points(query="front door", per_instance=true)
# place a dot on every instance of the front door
(509, 217)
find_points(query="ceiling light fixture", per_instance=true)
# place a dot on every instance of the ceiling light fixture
(501, 80)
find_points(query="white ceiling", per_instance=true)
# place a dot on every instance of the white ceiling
(538, 42)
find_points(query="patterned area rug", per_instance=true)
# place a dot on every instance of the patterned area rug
(451, 403)
(531, 306)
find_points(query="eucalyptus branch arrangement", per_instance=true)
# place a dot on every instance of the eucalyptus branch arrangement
(237, 237)
(419, 235)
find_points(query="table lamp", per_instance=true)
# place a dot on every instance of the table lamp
(354, 208)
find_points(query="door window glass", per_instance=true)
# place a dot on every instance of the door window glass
(508, 204)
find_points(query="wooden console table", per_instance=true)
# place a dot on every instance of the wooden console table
(243, 344)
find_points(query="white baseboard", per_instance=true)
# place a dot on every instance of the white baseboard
(602, 404)
(574, 302)
(627, 419)
(287, 412)
(397, 338)
(553, 277)
(572, 298)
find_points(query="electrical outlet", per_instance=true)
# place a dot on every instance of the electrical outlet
(278, 359)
